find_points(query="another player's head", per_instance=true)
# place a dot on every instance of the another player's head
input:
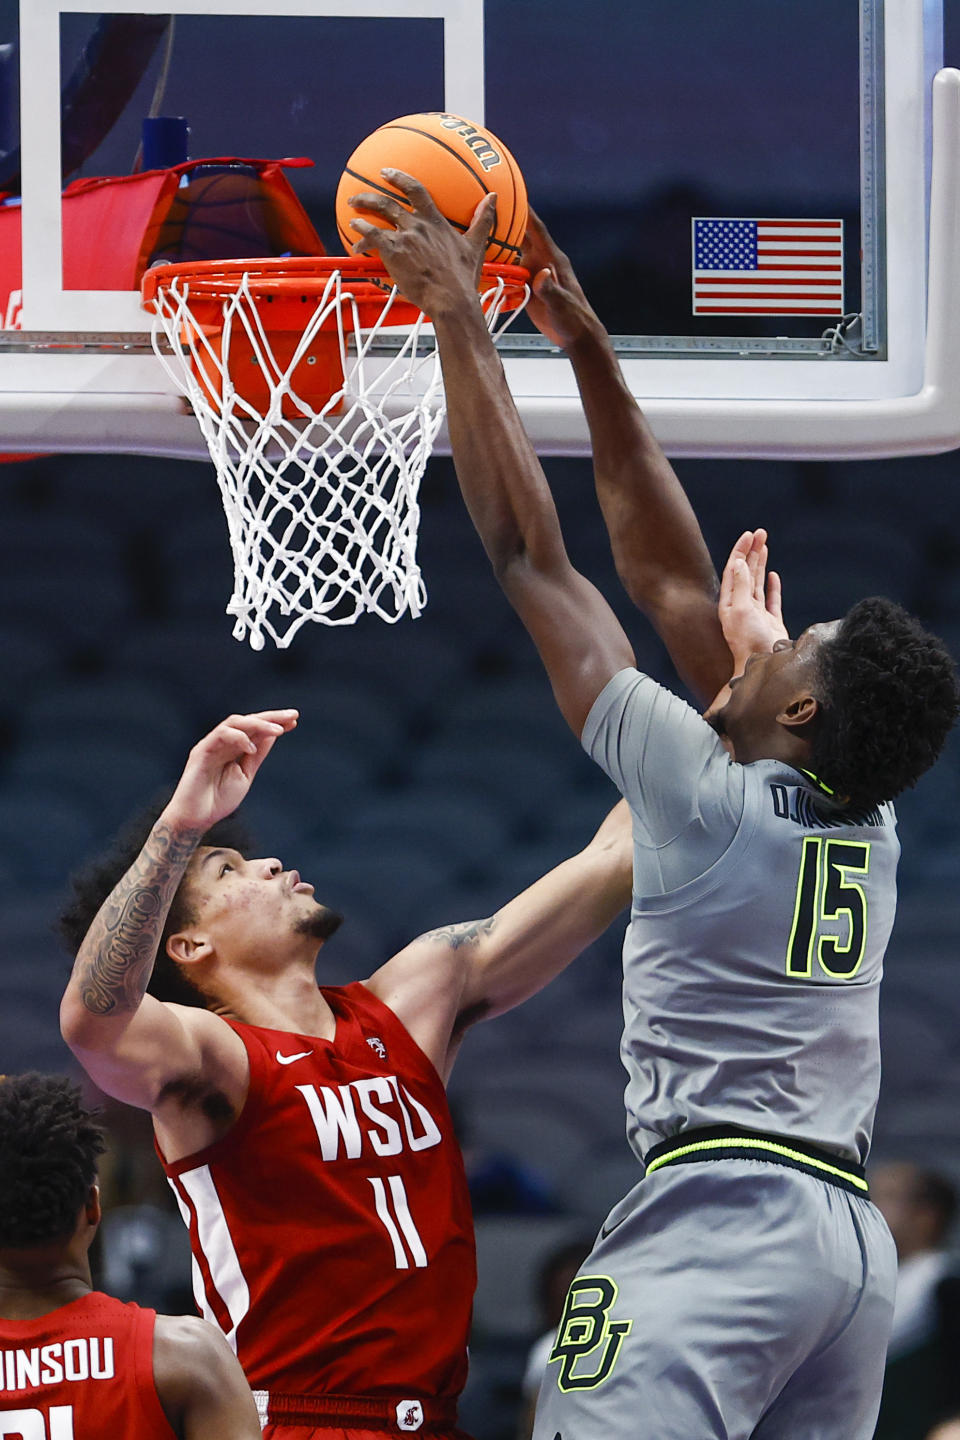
(946, 1429)
(49, 1146)
(228, 909)
(919, 1206)
(865, 702)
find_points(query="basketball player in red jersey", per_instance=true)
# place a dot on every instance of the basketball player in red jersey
(75, 1364)
(305, 1130)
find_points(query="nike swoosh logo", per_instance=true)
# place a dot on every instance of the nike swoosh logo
(289, 1059)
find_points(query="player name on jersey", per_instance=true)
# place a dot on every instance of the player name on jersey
(339, 1113)
(90, 1358)
(794, 802)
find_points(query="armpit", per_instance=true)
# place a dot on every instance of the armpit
(193, 1092)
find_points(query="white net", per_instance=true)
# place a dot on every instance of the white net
(320, 493)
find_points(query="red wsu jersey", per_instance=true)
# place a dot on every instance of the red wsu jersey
(83, 1372)
(331, 1226)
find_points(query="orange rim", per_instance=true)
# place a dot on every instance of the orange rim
(297, 280)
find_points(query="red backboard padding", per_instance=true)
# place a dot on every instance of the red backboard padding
(104, 225)
(112, 224)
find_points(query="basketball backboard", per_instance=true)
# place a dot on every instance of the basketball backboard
(650, 136)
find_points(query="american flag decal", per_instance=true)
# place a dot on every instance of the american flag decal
(768, 267)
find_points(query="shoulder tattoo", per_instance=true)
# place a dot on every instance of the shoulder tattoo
(468, 932)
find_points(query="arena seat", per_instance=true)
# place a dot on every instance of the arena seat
(47, 541)
(195, 664)
(116, 779)
(541, 1132)
(31, 655)
(43, 837)
(432, 820)
(380, 883)
(319, 781)
(609, 1172)
(30, 1040)
(510, 1251)
(85, 608)
(128, 709)
(525, 781)
(413, 664)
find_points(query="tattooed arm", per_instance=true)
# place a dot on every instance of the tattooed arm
(456, 975)
(130, 1044)
(116, 959)
(133, 1046)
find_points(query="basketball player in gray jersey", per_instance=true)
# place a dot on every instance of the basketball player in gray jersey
(743, 1290)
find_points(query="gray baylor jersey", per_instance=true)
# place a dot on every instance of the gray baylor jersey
(761, 912)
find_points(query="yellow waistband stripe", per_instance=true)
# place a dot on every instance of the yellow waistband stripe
(748, 1142)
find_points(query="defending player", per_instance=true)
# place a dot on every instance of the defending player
(305, 1131)
(76, 1364)
(750, 1296)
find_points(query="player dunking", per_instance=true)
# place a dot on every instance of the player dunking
(305, 1131)
(744, 1287)
(75, 1363)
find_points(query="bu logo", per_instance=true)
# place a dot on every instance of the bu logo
(588, 1341)
(409, 1415)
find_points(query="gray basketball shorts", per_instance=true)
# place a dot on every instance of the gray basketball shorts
(730, 1300)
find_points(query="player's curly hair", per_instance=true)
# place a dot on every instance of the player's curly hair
(91, 886)
(49, 1144)
(889, 696)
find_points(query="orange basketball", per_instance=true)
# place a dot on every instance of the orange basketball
(457, 161)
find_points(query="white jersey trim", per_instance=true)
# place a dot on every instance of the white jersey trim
(216, 1246)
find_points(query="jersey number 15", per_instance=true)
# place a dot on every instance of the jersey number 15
(826, 892)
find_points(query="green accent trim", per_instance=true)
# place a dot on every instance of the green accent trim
(804, 909)
(817, 781)
(748, 1142)
(828, 944)
(583, 1329)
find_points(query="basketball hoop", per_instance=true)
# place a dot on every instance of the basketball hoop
(319, 439)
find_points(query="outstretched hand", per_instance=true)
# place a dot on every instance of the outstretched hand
(750, 600)
(221, 767)
(557, 304)
(432, 264)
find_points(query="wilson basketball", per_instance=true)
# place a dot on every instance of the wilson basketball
(457, 161)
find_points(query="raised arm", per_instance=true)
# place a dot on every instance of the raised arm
(199, 1382)
(453, 976)
(658, 547)
(132, 1045)
(750, 607)
(580, 640)
(537, 934)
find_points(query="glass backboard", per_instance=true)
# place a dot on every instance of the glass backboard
(682, 154)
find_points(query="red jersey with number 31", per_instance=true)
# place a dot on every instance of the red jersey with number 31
(331, 1226)
(83, 1372)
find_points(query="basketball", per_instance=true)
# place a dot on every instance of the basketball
(457, 161)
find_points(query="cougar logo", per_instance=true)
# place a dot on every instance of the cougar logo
(377, 1045)
(588, 1342)
(409, 1415)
